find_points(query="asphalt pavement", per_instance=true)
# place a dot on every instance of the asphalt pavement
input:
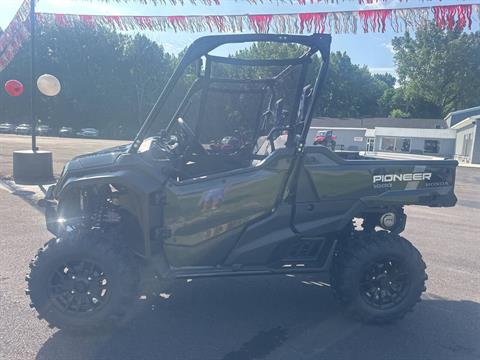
(263, 317)
(63, 149)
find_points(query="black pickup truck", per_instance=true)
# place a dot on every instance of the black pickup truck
(130, 219)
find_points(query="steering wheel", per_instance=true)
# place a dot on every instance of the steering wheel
(192, 142)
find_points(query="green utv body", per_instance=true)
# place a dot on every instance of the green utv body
(230, 188)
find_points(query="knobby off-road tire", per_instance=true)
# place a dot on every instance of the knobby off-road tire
(83, 282)
(378, 277)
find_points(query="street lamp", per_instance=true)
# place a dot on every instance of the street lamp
(33, 167)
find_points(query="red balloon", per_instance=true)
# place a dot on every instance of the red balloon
(14, 87)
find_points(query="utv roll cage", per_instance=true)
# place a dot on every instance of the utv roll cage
(316, 43)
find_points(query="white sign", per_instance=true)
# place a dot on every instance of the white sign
(358, 139)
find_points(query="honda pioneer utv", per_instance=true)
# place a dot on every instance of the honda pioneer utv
(177, 204)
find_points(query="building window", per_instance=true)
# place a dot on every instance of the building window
(403, 145)
(370, 144)
(467, 144)
(387, 144)
(431, 146)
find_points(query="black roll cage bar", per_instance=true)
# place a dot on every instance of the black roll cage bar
(201, 48)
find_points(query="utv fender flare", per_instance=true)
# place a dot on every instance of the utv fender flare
(133, 181)
(139, 187)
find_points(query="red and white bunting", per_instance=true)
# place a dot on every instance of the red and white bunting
(17, 32)
(253, 2)
(375, 20)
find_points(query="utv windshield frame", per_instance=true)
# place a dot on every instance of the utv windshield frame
(200, 48)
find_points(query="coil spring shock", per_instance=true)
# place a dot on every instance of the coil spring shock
(100, 207)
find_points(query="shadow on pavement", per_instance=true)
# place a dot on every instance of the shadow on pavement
(29, 194)
(274, 318)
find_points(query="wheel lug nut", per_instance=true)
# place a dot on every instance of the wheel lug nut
(73, 291)
(73, 277)
(89, 278)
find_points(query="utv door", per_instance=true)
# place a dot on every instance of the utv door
(325, 193)
(206, 215)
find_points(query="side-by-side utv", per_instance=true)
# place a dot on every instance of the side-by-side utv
(219, 182)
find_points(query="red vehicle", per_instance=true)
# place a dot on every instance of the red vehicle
(325, 138)
(228, 144)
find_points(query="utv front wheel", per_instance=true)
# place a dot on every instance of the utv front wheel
(82, 282)
(378, 277)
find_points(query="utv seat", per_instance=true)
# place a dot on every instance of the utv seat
(265, 148)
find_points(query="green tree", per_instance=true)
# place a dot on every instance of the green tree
(149, 69)
(109, 80)
(351, 90)
(438, 70)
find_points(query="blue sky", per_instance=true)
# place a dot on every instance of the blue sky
(372, 49)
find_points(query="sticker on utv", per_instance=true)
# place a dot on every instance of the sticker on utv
(387, 180)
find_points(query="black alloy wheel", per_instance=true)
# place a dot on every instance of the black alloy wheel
(79, 287)
(385, 283)
(378, 276)
(84, 281)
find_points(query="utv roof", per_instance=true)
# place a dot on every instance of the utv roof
(203, 45)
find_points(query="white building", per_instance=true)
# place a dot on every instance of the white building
(433, 137)
(435, 142)
(415, 136)
(468, 140)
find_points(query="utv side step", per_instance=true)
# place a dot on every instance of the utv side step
(292, 268)
(212, 272)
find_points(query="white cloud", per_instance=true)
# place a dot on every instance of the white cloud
(389, 46)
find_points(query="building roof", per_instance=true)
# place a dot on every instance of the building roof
(336, 128)
(371, 123)
(466, 122)
(475, 109)
(455, 117)
(416, 133)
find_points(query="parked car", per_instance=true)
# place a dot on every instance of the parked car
(65, 131)
(44, 130)
(7, 128)
(23, 129)
(88, 132)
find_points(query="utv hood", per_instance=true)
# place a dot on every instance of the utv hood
(97, 159)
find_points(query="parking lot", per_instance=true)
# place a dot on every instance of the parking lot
(252, 318)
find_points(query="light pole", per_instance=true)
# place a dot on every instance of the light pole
(33, 167)
(32, 70)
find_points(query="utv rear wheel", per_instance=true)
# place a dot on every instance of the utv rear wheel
(83, 282)
(378, 277)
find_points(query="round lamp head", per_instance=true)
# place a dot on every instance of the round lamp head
(49, 85)
(14, 88)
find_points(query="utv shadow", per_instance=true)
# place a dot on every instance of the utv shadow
(274, 318)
